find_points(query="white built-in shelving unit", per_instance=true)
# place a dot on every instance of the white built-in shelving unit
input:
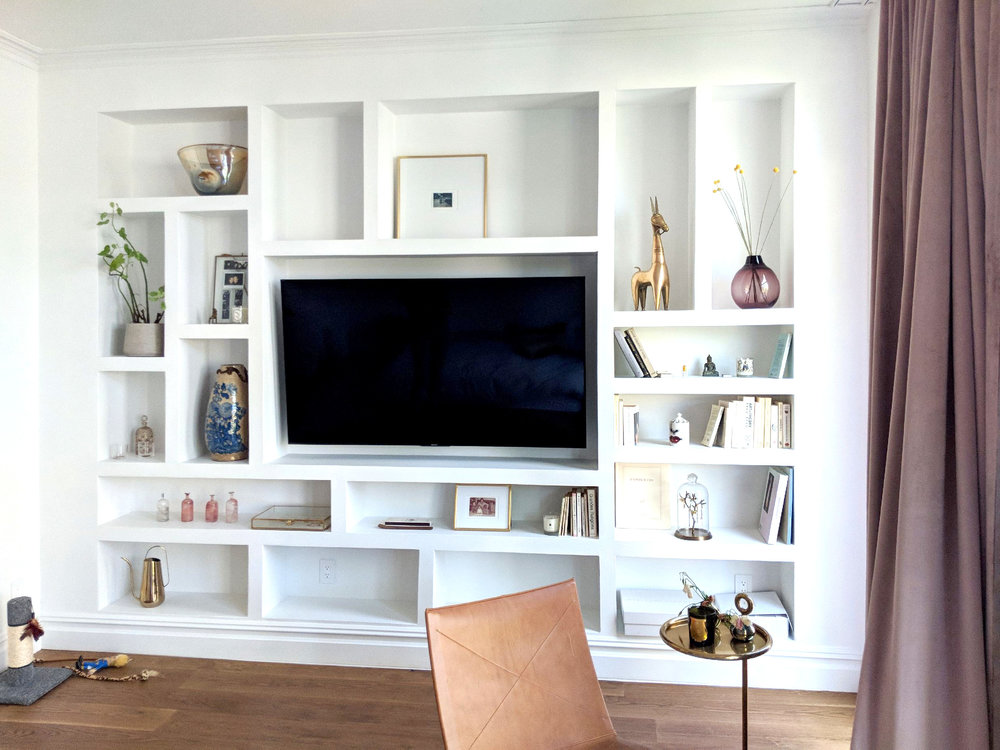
(318, 202)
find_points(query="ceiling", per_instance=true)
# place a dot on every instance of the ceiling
(66, 25)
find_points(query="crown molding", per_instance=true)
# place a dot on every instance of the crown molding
(19, 51)
(521, 35)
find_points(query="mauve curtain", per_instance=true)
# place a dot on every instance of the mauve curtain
(928, 677)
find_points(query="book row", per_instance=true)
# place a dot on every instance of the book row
(740, 423)
(578, 516)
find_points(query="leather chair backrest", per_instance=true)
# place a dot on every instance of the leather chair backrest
(515, 672)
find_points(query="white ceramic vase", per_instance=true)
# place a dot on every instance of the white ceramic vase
(143, 340)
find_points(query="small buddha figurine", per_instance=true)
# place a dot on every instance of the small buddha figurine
(144, 446)
(710, 371)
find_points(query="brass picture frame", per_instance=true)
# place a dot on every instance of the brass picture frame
(482, 507)
(441, 196)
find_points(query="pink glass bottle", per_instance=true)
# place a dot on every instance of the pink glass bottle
(211, 510)
(187, 508)
(232, 509)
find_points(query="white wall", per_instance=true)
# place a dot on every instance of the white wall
(19, 433)
(827, 60)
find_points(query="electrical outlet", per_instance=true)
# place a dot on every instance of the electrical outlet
(326, 571)
(742, 583)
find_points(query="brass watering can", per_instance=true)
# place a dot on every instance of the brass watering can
(151, 586)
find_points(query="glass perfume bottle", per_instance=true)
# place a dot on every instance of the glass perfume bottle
(144, 446)
(187, 508)
(211, 510)
(232, 509)
(163, 508)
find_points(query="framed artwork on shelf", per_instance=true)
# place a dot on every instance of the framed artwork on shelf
(441, 197)
(229, 298)
(482, 507)
(642, 497)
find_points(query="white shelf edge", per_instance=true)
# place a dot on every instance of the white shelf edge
(663, 453)
(181, 203)
(235, 331)
(775, 316)
(669, 385)
(725, 544)
(183, 604)
(431, 247)
(131, 364)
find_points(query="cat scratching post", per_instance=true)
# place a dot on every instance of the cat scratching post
(22, 683)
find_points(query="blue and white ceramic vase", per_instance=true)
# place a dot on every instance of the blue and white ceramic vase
(227, 434)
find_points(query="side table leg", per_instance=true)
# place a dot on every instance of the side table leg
(744, 703)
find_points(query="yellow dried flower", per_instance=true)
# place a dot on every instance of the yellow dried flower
(776, 170)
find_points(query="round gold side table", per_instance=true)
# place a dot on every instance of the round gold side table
(675, 634)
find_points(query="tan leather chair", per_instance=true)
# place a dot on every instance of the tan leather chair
(515, 672)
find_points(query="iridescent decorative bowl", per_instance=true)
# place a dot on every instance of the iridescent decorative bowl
(214, 168)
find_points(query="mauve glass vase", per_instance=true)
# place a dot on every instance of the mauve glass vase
(755, 285)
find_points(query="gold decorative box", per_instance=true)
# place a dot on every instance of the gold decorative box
(294, 517)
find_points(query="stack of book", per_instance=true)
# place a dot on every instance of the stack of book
(626, 422)
(777, 520)
(578, 516)
(635, 355)
(749, 422)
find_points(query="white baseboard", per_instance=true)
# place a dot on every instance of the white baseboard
(629, 660)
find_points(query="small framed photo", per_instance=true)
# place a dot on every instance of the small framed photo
(229, 301)
(440, 197)
(482, 507)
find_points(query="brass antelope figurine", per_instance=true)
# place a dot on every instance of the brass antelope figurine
(657, 276)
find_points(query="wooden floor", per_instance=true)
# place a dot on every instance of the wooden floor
(216, 704)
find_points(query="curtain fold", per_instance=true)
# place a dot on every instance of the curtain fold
(927, 675)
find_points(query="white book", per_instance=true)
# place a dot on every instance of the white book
(592, 512)
(630, 425)
(786, 424)
(626, 351)
(772, 432)
(772, 504)
(741, 417)
(712, 428)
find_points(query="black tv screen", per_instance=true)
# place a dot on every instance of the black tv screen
(444, 361)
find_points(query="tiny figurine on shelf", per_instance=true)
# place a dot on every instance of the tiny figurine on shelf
(163, 508)
(710, 371)
(680, 430)
(144, 446)
(187, 508)
(211, 510)
(656, 276)
(744, 367)
(232, 509)
(703, 618)
(692, 508)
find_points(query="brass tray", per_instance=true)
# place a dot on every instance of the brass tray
(293, 517)
(675, 634)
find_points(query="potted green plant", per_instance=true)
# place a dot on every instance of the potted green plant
(144, 334)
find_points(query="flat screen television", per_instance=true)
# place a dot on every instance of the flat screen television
(492, 362)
